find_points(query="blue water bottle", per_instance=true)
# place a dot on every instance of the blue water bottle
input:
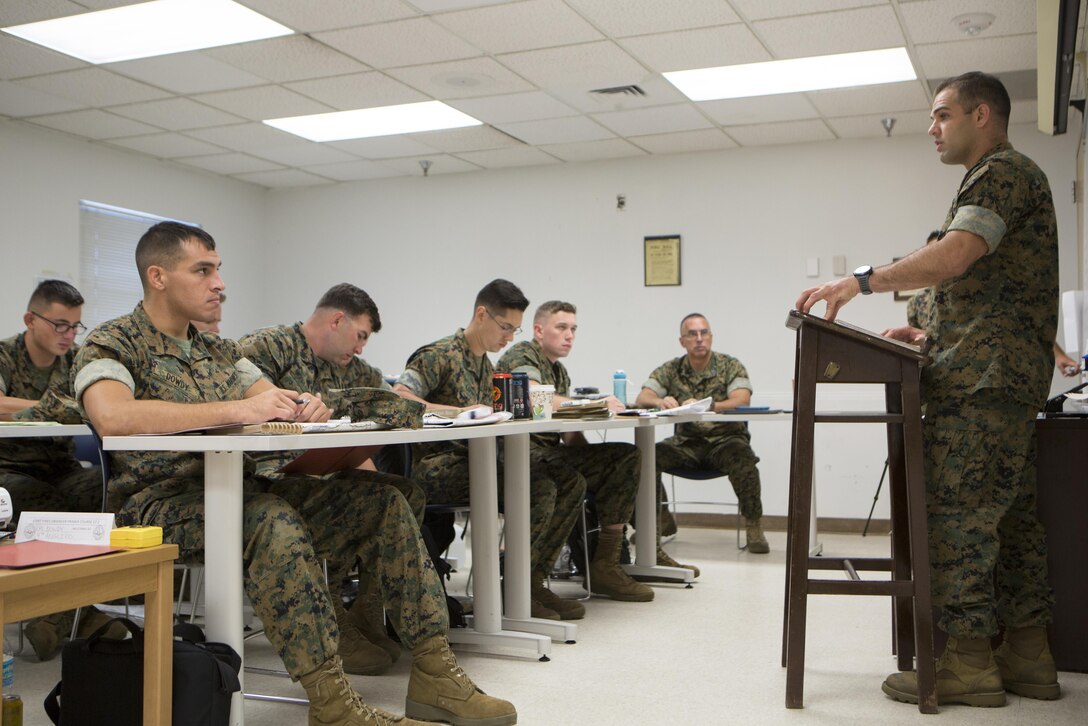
(619, 386)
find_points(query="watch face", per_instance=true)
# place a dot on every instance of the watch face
(864, 270)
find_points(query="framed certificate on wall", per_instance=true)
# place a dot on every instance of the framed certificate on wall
(661, 260)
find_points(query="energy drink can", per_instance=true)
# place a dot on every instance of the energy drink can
(500, 392)
(519, 395)
(12, 711)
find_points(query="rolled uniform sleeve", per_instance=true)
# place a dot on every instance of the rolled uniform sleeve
(414, 382)
(738, 383)
(101, 369)
(248, 373)
(990, 198)
(980, 221)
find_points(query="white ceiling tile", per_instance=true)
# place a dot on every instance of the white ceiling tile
(462, 79)
(440, 164)
(500, 158)
(659, 92)
(17, 12)
(441, 6)
(557, 130)
(384, 147)
(996, 55)
(593, 150)
(931, 21)
(166, 146)
(906, 123)
(585, 67)
(790, 132)
(636, 17)
(187, 73)
(472, 138)
(283, 179)
(400, 43)
(513, 107)
(358, 90)
(19, 58)
(232, 163)
(250, 137)
(291, 58)
(94, 124)
(264, 102)
(871, 99)
(18, 101)
(685, 141)
(656, 120)
(841, 32)
(520, 26)
(177, 114)
(314, 15)
(308, 154)
(762, 9)
(724, 45)
(354, 171)
(759, 109)
(94, 87)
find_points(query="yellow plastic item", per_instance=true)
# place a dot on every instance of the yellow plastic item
(136, 537)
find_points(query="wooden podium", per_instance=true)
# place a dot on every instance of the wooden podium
(840, 353)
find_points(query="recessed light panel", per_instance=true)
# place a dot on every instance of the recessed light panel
(362, 123)
(796, 75)
(150, 29)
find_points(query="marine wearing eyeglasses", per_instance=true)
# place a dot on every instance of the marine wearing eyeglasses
(726, 446)
(42, 474)
(456, 372)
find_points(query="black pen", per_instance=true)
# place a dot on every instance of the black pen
(302, 401)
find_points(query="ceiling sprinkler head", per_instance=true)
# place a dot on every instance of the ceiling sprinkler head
(425, 164)
(973, 23)
(888, 123)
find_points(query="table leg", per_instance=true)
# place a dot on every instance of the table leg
(159, 648)
(646, 516)
(518, 582)
(223, 557)
(486, 627)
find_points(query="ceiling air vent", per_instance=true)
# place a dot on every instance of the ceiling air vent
(631, 90)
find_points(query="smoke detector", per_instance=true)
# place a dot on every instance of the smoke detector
(971, 24)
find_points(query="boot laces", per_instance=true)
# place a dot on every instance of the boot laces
(356, 703)
(458, 672)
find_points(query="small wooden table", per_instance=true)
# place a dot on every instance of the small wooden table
(37, 591)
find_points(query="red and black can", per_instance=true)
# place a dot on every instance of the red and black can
(500, 392)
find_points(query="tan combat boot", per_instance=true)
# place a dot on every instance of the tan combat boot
(608, 578)
(47, 633)
(1026, 665)
(966, 673)
(333, 702)
(565, 609)
(370, 622)
(439, 690)
(360, 656)
(757, 543)
(665, 560)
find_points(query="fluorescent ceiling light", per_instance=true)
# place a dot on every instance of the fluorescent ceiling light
(150, 29)
(407, 118)
(793, 76)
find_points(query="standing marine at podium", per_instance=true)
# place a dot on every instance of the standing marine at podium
(994, 274)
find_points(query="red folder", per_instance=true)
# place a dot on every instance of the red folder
(36, 552)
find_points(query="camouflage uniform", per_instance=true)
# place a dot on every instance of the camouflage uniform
(285, 358)
(706, 444)
(42, 474)
(446, 372)
(919, 309)
(610, 470)
(287, 525)
(992, 335)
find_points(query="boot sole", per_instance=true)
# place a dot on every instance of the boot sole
(1047, 692)
(426, 712)
(648, 597)
(995, 699)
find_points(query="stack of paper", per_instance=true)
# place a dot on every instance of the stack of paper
(583, 409)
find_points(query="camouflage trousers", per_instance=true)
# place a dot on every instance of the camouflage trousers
(610, 470)
(731, 455)
(980, 496)
(288, 525)
(79, 490)
(555, 498)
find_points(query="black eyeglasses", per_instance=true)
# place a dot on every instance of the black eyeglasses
(62, 327)
(506, 327)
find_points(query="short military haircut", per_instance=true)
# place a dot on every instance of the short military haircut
(688, 317)
(161, 245)
(550, 308)
(54, 291)
(975, 88)
(501, 295)
(351, 301)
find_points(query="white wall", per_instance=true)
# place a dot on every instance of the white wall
(748, 218)
(44, 175)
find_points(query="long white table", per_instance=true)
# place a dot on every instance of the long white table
(16, 430)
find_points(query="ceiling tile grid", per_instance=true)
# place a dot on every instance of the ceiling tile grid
(525, 68)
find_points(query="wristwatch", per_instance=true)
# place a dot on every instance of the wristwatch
(862, 274)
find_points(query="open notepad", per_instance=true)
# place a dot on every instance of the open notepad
(701, 406)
